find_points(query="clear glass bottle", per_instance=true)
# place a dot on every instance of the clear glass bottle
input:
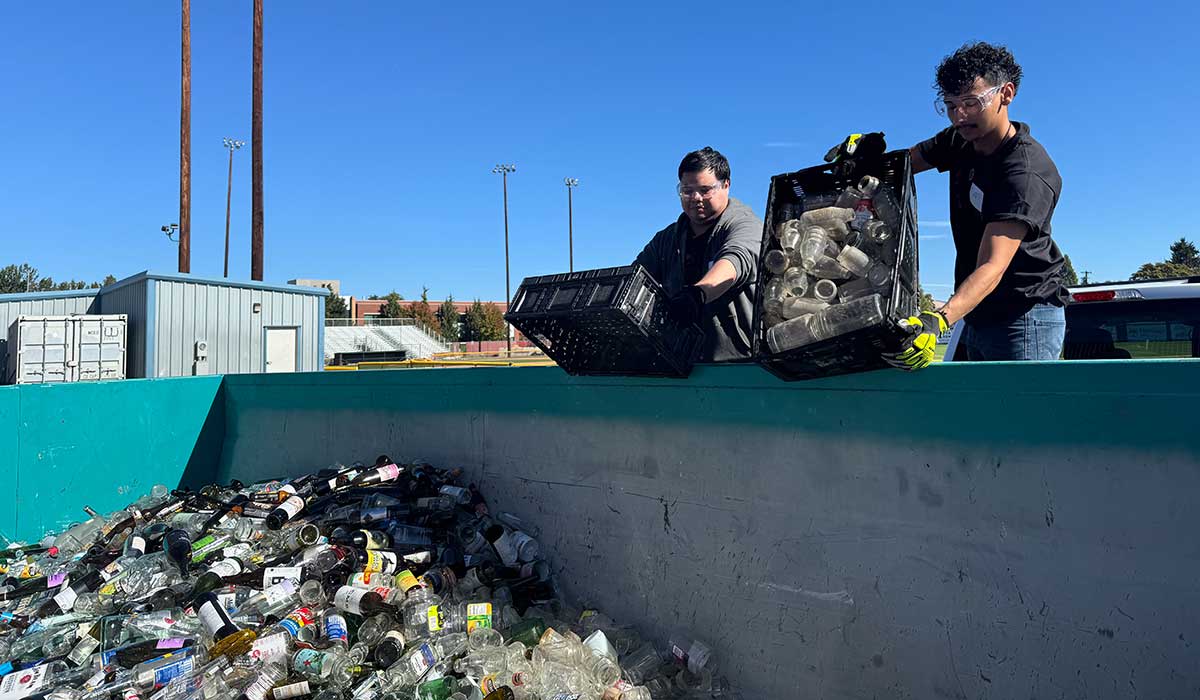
(854, 260)
(827, 268)
(776, 261)
(795, 281)
(800, 306)
(828, 323)
(812, 246)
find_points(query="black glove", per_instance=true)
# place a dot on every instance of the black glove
(687, 305)
(856, 148)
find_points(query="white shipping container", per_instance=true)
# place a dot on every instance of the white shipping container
(66, 348)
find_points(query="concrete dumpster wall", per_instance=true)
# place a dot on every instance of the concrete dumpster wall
(100, 444)
(991, 531)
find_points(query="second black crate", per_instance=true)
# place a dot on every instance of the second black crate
(612, 321)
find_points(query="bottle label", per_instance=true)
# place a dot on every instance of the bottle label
(506, 549)
(204, 546)
(66, 598)
(228, 601)
(22, 683)
(375, 540)
(226, 568)
(175, 669)
(407, 581)
(300, 617)
(280, 592)
(381, 562)
(292, 690)
(478, 615)
(56, 580)
(349, 598)
(274, 575)
(398, 636)
(434, 618)
(421, 660)
(388, 472)
(309, 662)
(131, 694)
(212, 617)
(292, 506)
(92, 683)
(423, 557)
(273, 646)
(335, 628)
(260, 687)
(239, 551)
(384, 592)
(172, 643)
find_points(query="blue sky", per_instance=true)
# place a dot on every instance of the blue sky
(383, 121)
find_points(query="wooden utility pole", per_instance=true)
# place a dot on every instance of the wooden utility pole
(185, 142)
(256, 153)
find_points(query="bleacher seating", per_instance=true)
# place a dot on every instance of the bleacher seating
(412, 339)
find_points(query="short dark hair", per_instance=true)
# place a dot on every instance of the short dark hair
(705, 159)
(994, 64)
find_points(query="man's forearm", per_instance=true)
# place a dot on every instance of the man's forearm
(973, 290)
(718, 280)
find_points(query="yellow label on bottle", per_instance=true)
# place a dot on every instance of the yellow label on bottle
(434, 619)
(478, 615)
(407, 580)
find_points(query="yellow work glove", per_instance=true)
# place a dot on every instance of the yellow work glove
(917, 350)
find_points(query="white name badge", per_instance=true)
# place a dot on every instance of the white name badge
(976, 197)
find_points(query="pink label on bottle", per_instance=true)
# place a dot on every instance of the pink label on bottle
(56, 580)
(172, 643)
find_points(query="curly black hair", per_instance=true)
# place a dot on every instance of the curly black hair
(995, 64)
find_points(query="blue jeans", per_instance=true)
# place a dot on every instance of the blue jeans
(1035, 335)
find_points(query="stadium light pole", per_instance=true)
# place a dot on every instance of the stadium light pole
(232, 145)
(571, 184)
(504, 169)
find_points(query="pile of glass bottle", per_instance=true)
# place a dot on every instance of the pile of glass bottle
(829, 265)
(354, 583)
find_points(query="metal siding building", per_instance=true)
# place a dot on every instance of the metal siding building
(129, 297)
(169, 313)
(187, 310)
(82, 301)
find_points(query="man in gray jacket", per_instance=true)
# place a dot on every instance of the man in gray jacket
(708, 259)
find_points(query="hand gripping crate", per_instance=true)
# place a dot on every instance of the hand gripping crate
(858, 350)
(612, 321)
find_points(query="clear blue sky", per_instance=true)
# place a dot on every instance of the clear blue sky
(384, 119)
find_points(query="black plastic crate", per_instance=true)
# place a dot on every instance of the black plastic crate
(612, 321)
(860, 350)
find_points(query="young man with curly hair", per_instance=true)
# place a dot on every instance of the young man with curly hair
(1008, 283)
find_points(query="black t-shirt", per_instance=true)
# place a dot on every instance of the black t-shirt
(695, 267)
(1016, 183)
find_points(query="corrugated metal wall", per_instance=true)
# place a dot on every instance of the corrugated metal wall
(130, 299)
(189, 311)
(61, 306)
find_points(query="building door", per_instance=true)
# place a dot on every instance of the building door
(281, 350)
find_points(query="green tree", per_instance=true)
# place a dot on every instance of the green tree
(1069, 277)
(1183, 252)
(335, 306)
(447, 316)
(393, 308)
(18, 278)
(423, 312)
(492, 326)
(926, 301)
(1184, 262)
(472, 326)
(108, 279)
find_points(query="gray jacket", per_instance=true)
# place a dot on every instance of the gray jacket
(736, 237)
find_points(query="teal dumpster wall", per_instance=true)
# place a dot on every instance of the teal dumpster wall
(101, 445)
(969, 531)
